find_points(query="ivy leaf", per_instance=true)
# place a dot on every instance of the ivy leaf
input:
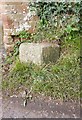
(75, 29)
(68, 29)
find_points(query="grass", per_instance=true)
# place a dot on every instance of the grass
(60, 80)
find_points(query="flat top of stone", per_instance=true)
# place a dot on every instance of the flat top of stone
(39, 44)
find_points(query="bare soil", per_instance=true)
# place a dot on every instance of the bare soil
(38, 107)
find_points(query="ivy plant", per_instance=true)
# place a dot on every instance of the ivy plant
(61, 17)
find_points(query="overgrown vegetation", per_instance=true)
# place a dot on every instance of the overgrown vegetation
(62, 80)
(57, 20)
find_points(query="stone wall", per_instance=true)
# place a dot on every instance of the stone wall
(1, 32)
(16, 16)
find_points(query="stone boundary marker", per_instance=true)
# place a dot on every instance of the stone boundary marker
(39, 53)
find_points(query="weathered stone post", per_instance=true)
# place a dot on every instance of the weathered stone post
(39, 53)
